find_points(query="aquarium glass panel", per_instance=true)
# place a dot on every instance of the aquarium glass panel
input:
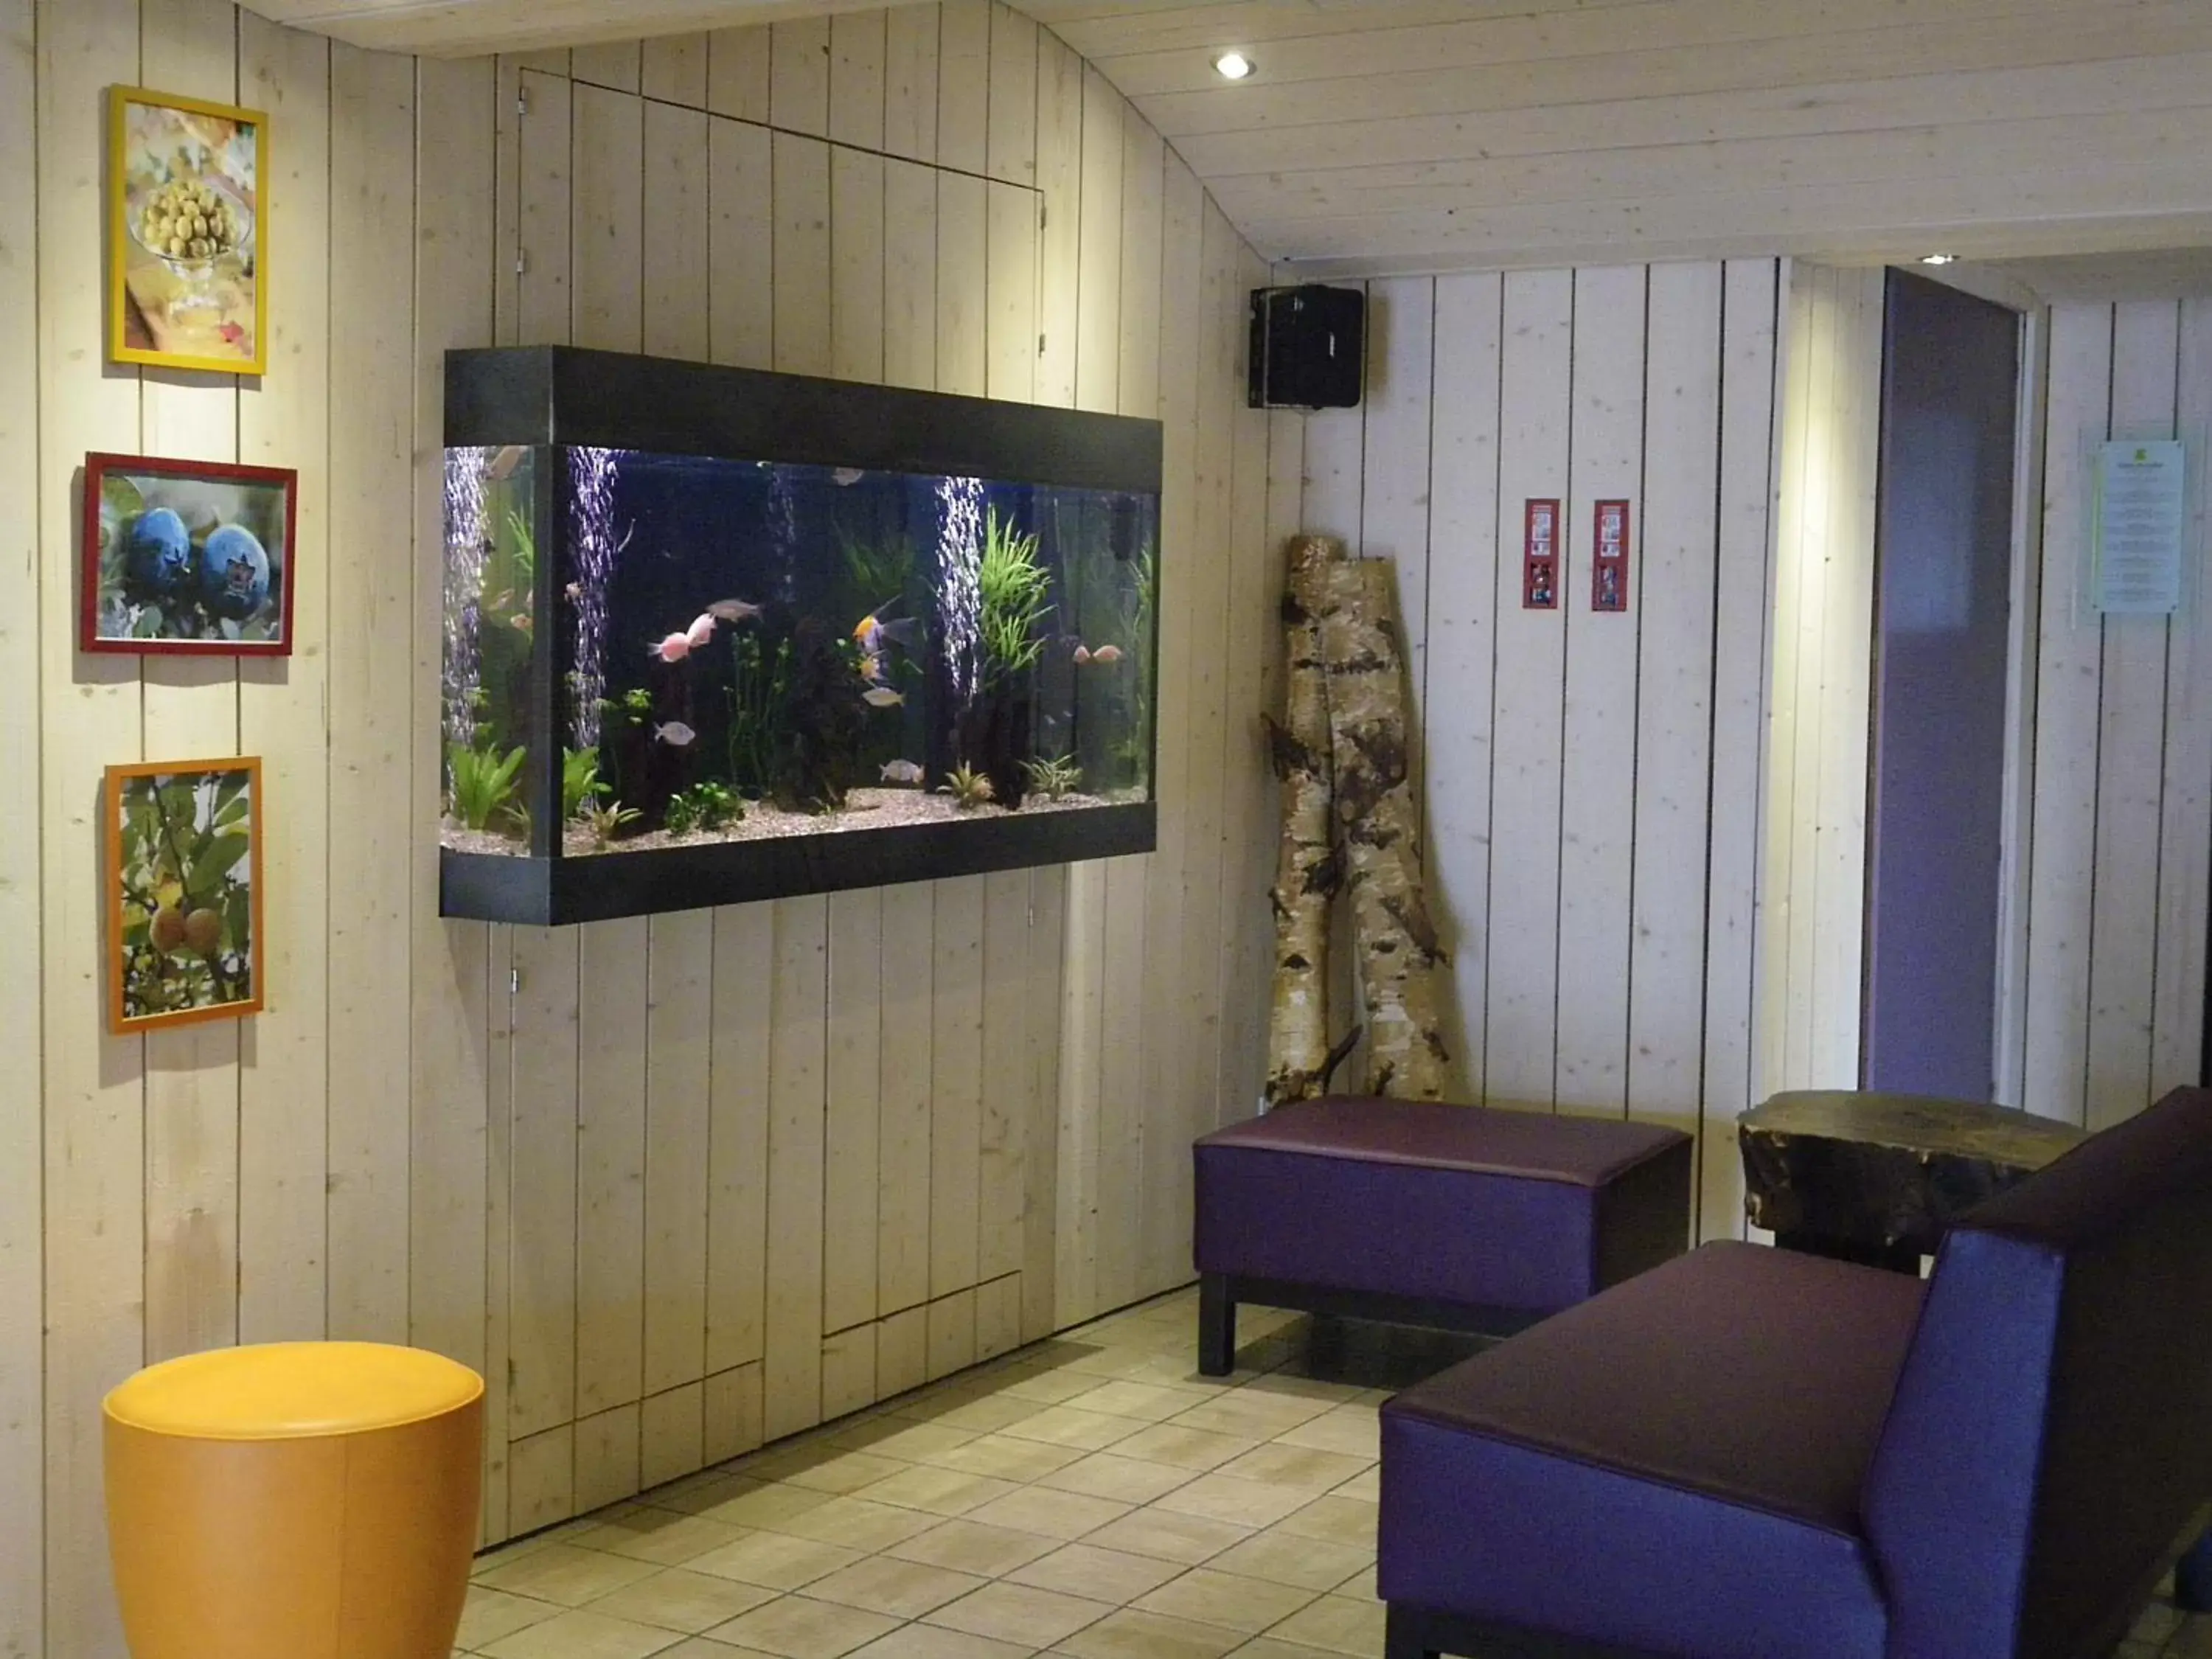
(493, 545)
(753, 650)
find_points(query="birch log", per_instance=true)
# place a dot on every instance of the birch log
(1309, 867)
(1375, 815)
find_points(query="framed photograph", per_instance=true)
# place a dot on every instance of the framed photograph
(184, 899)
(187, 556)
(187, 232)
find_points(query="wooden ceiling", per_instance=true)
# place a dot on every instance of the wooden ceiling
(1416, 135)
(1384, 135)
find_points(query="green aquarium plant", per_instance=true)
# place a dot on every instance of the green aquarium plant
(969, 788)
(704, 806)
(608, 820)
(1055, 777)
(872, 569)
(579, 781)
(1013, 588)
(760, 708)
(484, 782)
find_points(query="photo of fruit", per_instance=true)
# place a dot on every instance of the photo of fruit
(184, 841)
(187, 556)
(188, 233)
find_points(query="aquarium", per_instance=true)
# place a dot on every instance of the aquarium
(731, 635)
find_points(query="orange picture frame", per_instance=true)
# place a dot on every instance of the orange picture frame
(183, 905)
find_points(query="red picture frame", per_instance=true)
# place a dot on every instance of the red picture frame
(152, 531)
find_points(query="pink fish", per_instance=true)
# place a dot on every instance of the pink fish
(674, 649)
(701, 631)
(1082, 654)
(1109, 655)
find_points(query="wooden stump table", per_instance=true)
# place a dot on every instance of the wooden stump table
(1876, 1178)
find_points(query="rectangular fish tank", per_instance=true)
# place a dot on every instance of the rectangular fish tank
(716, 635)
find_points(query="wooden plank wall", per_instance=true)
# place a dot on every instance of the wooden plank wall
(676, 1185)
(1591, 782)
(2114, 864)
(1812, 923)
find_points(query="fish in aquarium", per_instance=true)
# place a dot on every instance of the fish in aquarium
(819, 644)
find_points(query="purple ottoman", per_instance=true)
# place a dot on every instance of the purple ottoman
(1471, 1218)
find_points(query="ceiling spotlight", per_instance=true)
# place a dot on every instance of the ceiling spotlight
(1233, 65)
(1939, 258)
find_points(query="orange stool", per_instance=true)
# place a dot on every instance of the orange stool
(298, 1500)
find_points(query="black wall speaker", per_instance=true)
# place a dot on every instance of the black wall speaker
(1309, 348)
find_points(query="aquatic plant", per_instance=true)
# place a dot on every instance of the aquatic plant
(1012, 586)
(605, 822)
(760, 703)
(1052, 777)
(579, 781)
(630, 714)
(884, 565)
(969, 788)
(708, 806)
(484, 782)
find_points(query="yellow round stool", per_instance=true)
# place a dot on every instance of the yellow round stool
(297, 1500)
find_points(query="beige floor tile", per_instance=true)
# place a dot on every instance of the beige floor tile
(937, 1490)
(1337, 1624)
(856, 1523)
(1148, 1402)
(1283, 1465)
(929, 1642)
(700, 1492)
(1246, 1502)
(1246, 1605)
(1049, 1387)
(1284, 1557)
(1266, 1647)
(904, 1590)
(682, 1600)
(582, 1635)
(1186, 1449)
(1125, 1479)
(490, 1613)
(699, 1647)
(833, 1469)
(1100, 1575)
(1130, 1634)
(662, 1536)
(1290, 1387)
(1366, 1485)
(969, 1547)
(1004, 1458)
(1020, 1613)
(1256, 1416)
(492, 1559)
(1066, 1425)
(1354, 1430)
(1360, 1587)
(775, 1560)
(1338, 1520)
(763, 1505)
(1188, 1539)
(565, 1574)
(1059, 1514)
(798, 1627)
(984, 1415)
(895, 1437)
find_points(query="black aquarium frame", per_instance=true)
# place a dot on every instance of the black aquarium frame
(564, 397)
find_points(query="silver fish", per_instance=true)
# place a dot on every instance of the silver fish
(902, 772)
(733, 610)
(503, 464)
(882, 696)
(848, 474)
(675, 734)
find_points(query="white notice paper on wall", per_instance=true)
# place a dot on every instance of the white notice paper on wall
(2140, 526)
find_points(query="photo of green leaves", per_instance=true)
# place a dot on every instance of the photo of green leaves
(183, 842)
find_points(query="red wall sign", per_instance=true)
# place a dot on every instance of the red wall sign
(1540, 556)
(1609, 558)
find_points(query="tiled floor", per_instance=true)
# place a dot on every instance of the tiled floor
(1090, 1497)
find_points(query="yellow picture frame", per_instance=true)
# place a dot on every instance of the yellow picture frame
(188, 214)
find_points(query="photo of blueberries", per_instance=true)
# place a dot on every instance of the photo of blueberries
(187, 557)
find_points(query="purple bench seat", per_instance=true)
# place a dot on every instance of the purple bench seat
(1749, 1454)
(1477, 1218)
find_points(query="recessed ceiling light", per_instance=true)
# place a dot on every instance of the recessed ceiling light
(1233, 65)
(1939, 258)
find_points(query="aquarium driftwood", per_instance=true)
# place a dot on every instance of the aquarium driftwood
(1399, 956)
(1309, 869)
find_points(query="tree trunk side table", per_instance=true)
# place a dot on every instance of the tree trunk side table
(1876, 1178)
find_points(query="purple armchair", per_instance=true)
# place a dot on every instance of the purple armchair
(1748, 1454)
